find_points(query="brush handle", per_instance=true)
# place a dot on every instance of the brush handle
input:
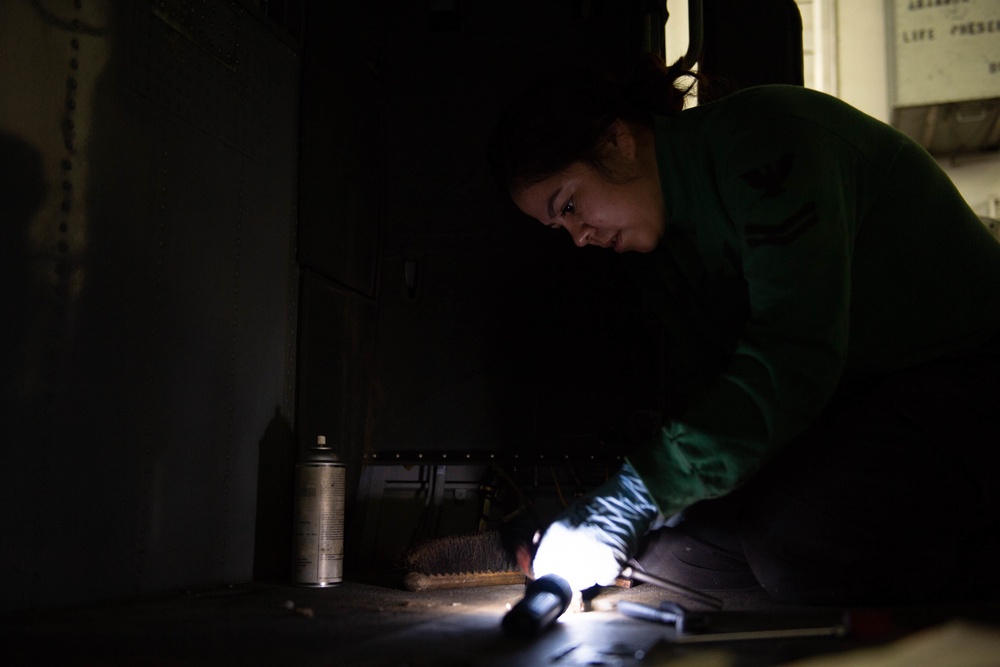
(415, 581)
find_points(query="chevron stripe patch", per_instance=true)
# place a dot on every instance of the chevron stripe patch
(787, 231)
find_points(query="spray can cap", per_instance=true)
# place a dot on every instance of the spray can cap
(321, 452)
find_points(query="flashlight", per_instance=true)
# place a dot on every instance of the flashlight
(545, 600)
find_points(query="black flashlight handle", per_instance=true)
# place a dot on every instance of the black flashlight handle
(545, 599)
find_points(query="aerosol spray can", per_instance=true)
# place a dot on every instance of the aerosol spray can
(320, 478)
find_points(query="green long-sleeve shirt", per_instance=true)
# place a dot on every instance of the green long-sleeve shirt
(808, 246)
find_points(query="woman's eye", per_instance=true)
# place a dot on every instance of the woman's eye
(568, 208)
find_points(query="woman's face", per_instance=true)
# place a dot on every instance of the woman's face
(597, 211)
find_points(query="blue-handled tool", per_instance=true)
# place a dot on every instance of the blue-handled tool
(670, 613)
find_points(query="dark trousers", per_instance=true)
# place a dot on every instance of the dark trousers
(892, 497)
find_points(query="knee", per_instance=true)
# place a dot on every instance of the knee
(695, 561)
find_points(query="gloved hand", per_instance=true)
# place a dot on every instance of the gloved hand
(590, 542)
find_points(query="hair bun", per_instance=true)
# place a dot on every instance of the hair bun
(654, 86)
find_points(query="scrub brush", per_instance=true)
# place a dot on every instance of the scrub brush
(460, 561)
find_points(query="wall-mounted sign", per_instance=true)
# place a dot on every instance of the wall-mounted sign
(946, 51)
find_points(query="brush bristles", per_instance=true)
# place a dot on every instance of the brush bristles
(456, 554)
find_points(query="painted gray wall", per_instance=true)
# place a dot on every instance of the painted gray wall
(147, 190)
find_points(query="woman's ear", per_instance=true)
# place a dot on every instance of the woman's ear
(621, 141)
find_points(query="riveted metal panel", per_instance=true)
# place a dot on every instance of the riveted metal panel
(155, 291)
(187, 59)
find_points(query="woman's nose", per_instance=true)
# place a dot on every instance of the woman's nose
(580, 232)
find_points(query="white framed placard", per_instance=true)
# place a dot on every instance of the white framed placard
(944, 50)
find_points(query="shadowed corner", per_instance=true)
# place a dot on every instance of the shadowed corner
(275, 481)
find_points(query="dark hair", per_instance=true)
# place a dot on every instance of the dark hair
(565, 118)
